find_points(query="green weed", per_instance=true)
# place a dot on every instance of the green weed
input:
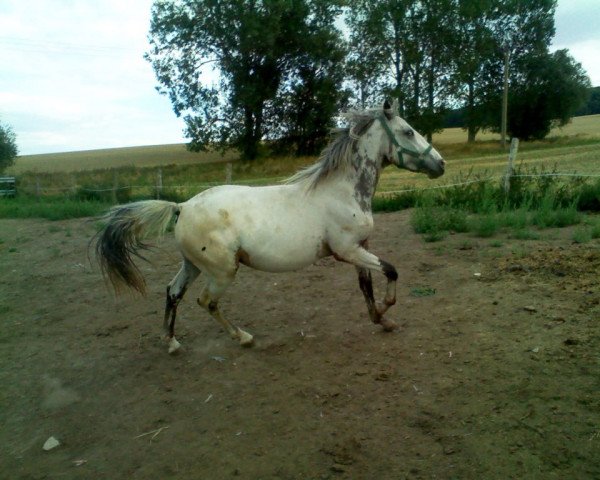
(484, 226)
(582, 235)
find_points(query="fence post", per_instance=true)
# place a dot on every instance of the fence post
(228, 172)
(159, 183)
(514, 147)
(115, 187)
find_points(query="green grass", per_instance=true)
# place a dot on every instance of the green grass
(50, 209)
(582, 235)
(485, 209)
(82, 183)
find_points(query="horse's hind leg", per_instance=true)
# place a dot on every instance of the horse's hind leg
(175, 292)
(209, 300)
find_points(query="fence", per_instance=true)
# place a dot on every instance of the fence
(118, 192)
(8, 187)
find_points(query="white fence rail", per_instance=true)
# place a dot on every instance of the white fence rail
(8, 187)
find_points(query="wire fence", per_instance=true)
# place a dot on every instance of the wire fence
(158, 189)
(490, 178)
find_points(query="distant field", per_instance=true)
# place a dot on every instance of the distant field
(143, 156)
(575, 148)
(588, 126)
(161, 155)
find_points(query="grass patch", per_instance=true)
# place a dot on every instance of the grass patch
(423, 291)
(484, 209)
(484, 226)
(582, 235)
(50, 209)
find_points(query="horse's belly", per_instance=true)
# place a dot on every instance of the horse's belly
(282, 255)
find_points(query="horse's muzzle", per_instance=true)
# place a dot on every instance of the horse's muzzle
(439, 170)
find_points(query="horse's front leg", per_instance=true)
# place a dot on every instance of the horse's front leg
(364, 262)
(365, 282)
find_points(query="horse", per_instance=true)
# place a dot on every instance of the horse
(323, 210)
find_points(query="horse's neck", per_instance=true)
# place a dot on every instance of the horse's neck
(364, 179)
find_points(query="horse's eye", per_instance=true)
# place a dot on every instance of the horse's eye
(409, 133)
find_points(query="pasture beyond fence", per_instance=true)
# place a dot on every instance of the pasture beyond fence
(110, 188)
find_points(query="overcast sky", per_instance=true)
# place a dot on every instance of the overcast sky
(72, 76)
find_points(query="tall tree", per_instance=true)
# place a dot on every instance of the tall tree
(406, 43)
(312, 92)
(592, 104)
(380, 43)
(8, 147)
(435, 34)
(473, 61)
(552, 88)
(252, 46)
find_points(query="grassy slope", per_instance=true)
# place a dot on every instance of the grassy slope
(572, 148)
(144, 156)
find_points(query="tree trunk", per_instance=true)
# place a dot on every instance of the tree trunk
(248, 143)
(470, 113)
(430, 94)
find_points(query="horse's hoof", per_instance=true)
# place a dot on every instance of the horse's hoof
(388, 325)
(246, 340)
(174, 345)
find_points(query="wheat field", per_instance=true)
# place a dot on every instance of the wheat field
(451, 140)
(573, 149)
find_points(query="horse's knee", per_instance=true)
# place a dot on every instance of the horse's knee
(389, 270)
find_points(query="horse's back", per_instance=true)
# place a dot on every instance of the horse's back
(268, 228)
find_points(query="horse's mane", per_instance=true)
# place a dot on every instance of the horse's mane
(338, 153)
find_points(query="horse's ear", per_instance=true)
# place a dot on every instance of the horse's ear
(387, 110)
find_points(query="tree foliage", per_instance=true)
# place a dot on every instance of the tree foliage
(242, 72)
(553, 87)
(592, 105)
(8, 147)
(259, 50)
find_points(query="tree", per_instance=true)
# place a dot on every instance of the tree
(312, 93)
(592, 106)
(435, 34)
(8, 147)
(554, 86)
(381, 47)
(405, 43)
(472, 69)
(253, 46)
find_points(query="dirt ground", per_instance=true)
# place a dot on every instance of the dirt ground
(494, 372)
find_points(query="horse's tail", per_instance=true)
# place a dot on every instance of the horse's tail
(121, 237)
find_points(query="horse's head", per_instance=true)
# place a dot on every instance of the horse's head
(407, 147)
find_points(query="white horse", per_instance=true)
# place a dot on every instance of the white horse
(321, 211)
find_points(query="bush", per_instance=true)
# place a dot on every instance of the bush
(393, 203)
(87, 193)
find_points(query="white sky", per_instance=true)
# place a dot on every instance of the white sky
(72, 76)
